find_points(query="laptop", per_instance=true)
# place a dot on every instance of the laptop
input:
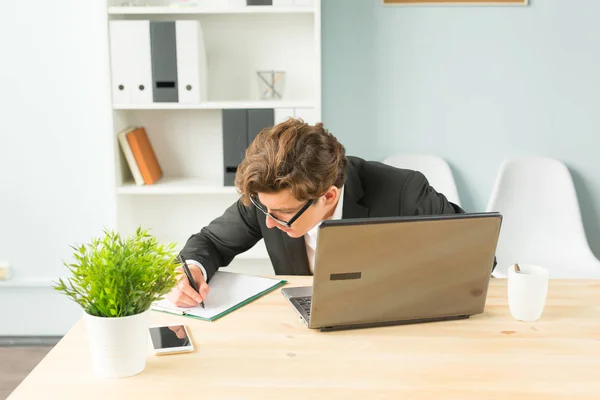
(398, 270)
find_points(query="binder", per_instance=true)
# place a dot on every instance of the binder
(240, 128)
(140, 70)
(228, 292)
(119, 52)
(131, 71)
(129, 157)
(164, 61)
(144, 155)
(259, 2)
(191, 62)
(258, 120)
(235, 140)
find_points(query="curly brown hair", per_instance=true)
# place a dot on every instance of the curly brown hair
(294, 155)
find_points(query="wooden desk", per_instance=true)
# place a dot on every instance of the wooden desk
(262, 351)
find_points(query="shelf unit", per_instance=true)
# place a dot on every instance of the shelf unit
(215, 105)
(187, 138)
(156, 10)
(174, 186)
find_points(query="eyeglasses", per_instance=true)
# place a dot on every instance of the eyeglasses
(287, 224)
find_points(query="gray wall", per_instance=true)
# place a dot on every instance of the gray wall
(474, 85)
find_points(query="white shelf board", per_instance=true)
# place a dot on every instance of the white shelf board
(149, 10)
(176, 186)
(216, 105)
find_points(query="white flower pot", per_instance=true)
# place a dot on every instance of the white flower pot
(118, 346)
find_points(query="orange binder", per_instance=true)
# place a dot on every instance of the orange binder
(144, 155)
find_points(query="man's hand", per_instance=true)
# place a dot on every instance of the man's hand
(183, 295)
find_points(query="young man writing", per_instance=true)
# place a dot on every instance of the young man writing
(294, 176)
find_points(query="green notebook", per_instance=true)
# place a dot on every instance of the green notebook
(228, 292)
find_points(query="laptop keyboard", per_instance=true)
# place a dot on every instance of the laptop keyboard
(304, 302)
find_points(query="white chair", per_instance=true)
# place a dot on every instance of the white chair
(436, 170)
(541, 219)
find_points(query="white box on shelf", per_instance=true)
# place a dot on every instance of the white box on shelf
(304, 3)
(191, 62)
(130, 62)
(283, 3)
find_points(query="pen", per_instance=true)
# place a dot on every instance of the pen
(186, 269)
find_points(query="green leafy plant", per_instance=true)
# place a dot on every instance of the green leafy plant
(118, 277)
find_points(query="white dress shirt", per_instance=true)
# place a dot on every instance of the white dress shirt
(310, 238)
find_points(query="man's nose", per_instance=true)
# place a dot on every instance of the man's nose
(270, 223)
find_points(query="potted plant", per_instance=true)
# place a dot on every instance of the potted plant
(115, 280)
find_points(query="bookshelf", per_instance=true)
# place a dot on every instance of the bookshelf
(156, 10)
(215, 105)
(176, 186)
(188, 138)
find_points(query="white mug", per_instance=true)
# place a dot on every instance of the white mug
(527, 291)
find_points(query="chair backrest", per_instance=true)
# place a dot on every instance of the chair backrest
(436, 170)
(541, 219)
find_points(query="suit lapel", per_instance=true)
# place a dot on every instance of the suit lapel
(353, 193)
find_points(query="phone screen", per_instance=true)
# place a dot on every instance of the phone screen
(166, 337)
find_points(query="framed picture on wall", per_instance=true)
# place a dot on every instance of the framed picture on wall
(457, 2)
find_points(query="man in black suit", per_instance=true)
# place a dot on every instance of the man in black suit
(293, 176)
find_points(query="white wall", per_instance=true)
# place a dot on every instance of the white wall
(56, 174)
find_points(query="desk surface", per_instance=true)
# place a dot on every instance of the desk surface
(262, 351)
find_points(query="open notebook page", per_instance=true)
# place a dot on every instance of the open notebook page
(227, 290)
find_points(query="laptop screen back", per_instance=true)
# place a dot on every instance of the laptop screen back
(395, 269)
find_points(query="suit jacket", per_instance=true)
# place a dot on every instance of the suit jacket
(372, 189)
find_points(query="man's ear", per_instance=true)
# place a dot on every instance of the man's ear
(331, 195)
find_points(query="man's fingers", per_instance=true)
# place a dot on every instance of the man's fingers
(181, 299)
(204, 289)
(186, 289)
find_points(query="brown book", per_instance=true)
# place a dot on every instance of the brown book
(144, 155)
